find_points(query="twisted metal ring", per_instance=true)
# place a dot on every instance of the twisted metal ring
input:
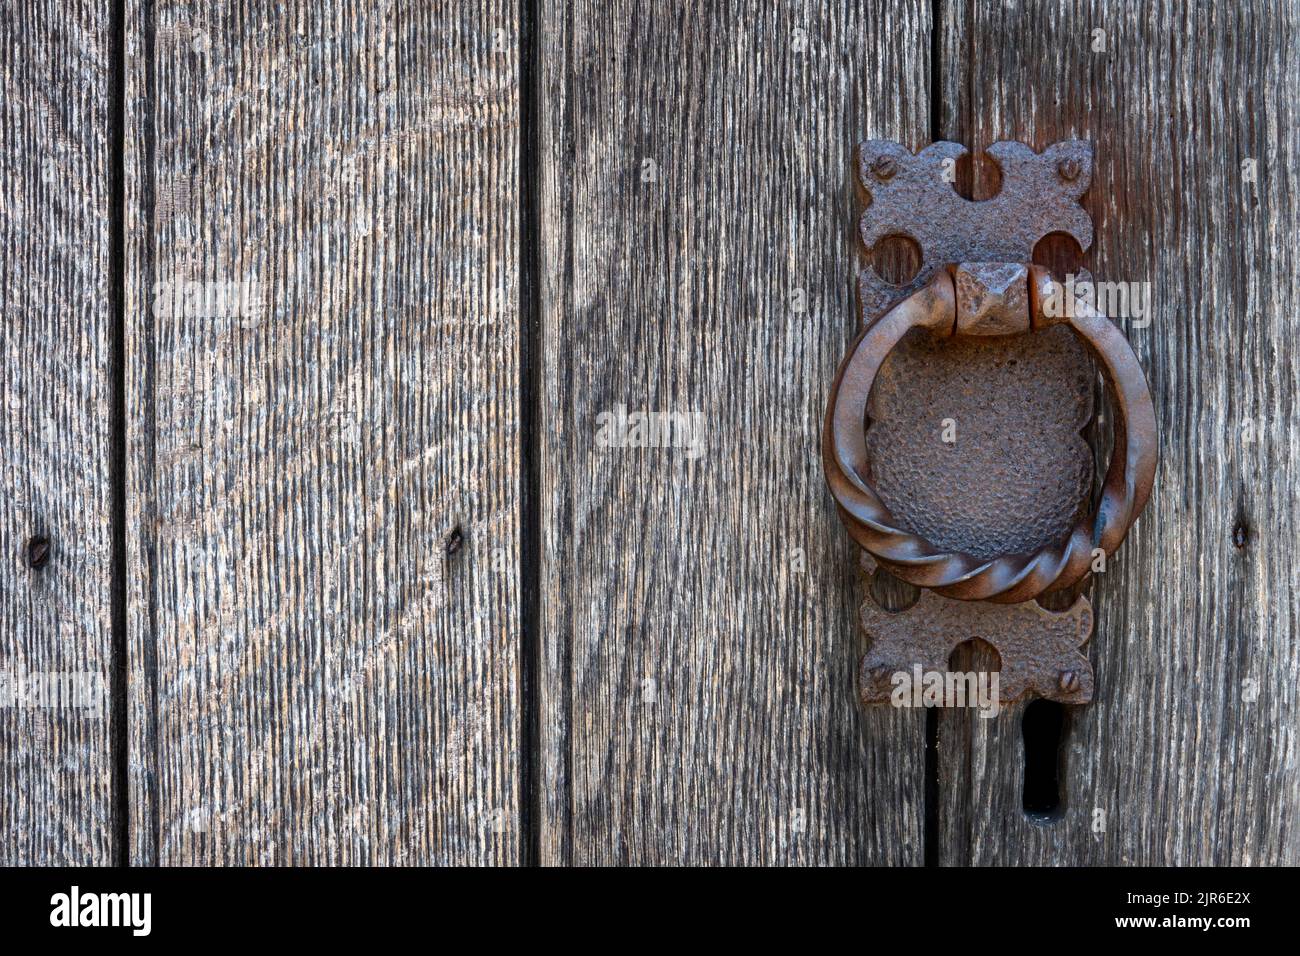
(1012, 578)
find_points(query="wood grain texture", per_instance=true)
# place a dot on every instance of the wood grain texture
(699, 613)
(1188, 753)
(56, 803)
(325, 487)
(323, 521)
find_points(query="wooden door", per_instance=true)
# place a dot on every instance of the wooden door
(365, 575)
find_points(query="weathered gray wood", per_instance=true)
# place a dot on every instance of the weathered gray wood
(323, 521)
(56, 802)
(324, 496)
(1189, 750)
(698, 615)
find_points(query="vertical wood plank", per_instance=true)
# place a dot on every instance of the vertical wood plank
(699, 611)
(56, 803)
(324, 493)
(1188, 753)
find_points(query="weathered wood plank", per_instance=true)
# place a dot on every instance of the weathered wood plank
(324, 520)
(698, 612)
(1188, 754)
(56, 802)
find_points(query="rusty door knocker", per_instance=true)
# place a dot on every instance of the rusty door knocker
(976, 287)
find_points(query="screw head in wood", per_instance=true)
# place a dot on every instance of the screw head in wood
(884, 169)
(38, 552)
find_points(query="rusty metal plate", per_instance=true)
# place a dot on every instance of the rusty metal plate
(915, 196)
(1019, 472)
(952, 442)
(1041, 651)
(1016, 474)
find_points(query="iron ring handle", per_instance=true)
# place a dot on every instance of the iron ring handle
(1010, 578)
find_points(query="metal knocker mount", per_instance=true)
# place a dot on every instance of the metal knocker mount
(987, 345)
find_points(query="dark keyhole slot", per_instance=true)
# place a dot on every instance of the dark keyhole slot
(1043, 729)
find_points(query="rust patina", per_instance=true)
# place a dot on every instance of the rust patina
(976, 284)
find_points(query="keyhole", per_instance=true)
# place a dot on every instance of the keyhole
(1043, 729)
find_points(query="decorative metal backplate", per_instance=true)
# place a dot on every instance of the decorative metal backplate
(915, 196)
(1019, 472)
(1041, 651)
